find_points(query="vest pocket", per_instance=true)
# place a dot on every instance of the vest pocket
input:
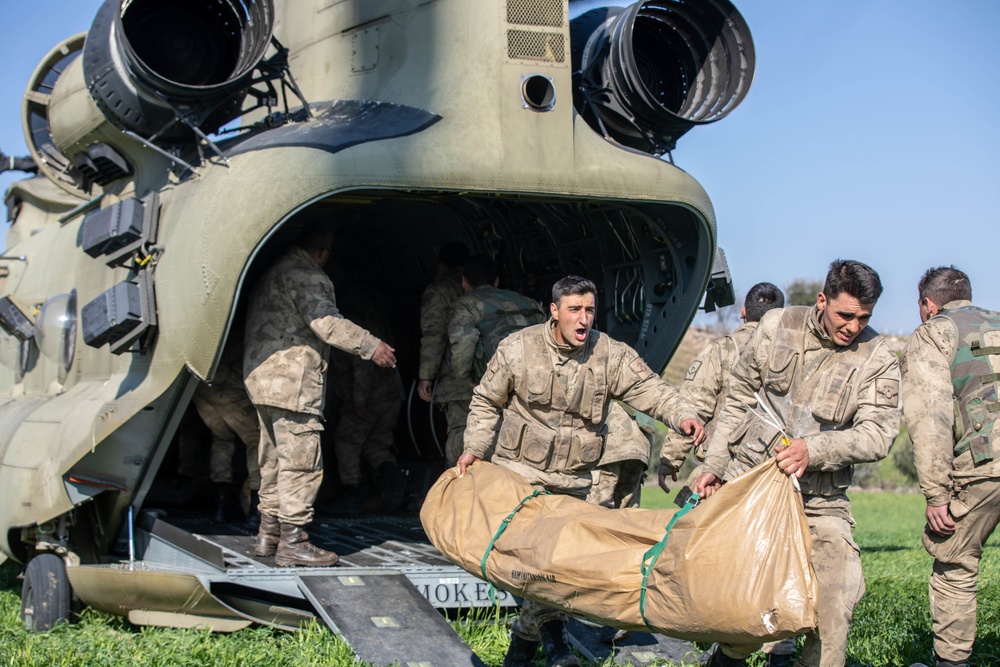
(979, 426)
(539, 386)
(519, 441)
(780, 369)
(833, 394)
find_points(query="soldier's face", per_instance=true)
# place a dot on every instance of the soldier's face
(843, 317)
(574, 316)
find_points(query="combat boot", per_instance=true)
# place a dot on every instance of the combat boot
(557, 652)
(295, 549)
(779, 660)
(253, 511)
(393, 487)
(225, 502)
(268, 535)
(520, 653)
(720, 659)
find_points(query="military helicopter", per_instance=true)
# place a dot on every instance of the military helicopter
(180, 146)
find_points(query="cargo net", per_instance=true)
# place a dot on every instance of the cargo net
(536, 12)
(547, 47)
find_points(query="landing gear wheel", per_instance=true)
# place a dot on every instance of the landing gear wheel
(45, 595)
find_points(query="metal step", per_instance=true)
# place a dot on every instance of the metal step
(385, 619)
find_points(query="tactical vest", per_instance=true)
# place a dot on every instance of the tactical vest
(823, 401)
(577, 442)
(975, 378)
(504, 312)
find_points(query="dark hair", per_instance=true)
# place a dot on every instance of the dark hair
(315, 236)
(858, 280)
(944, 284)
(572, 285)
(761, 298)
(453, 254)
(480, 270)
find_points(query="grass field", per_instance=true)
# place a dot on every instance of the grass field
(891, 626)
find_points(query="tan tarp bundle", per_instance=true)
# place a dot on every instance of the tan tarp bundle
(734, 568)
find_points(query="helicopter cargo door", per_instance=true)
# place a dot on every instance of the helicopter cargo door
(385, 619)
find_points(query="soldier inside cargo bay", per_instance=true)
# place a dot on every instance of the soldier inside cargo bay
(293, 318)
(951, 381)
(229, 415)
(834, 385)
(372, 398)
(436, 381)
(545, 398)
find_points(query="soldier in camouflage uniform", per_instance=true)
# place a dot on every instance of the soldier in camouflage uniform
(708, 375)
(704, 388)
(834, 384)
(292, 321)
(372, 400)
(951, 370)
(436, 381)
(230, 416)
(544, 402)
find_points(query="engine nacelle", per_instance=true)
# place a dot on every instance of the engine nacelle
(155, 68)
(646, 74)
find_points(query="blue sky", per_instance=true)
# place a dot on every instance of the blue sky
(869, 133)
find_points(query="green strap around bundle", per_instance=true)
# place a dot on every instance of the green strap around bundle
(649, 558)
(503, 527)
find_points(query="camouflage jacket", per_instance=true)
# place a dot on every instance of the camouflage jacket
(704, 388)
(546, 404)
(435, 311)
(292, 320)
(929, 409)
(843, 401)
(467, 314)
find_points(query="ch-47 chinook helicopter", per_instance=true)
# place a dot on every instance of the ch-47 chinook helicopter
(181, 145)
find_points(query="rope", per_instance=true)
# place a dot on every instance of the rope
(649, 558)
(500, 531)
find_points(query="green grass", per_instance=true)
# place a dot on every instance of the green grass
(891, 625)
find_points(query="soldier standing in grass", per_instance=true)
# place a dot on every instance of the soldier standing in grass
(704, 387)
(544, 402)
(436, 381)
(834, 384)
(708, 375)
(951, 383)
(292, 321)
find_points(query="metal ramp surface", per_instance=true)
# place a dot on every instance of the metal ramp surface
(386, 620)
(635, 648)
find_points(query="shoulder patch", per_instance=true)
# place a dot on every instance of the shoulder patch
(641, 368)
(693, 370)
(887, 392)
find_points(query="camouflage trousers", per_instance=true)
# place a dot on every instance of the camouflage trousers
(367, 437)
(837, 561)
(229, 418)
(457, 414)
(291, 464)
(953, 584)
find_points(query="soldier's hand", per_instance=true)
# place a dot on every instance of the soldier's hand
(694, 428)
(794, 458)
(384, 356)
(464, 461)
(706, 484)
(664, 471)
(424, 389)
(939, 520)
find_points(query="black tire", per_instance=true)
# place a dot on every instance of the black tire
(45, 595)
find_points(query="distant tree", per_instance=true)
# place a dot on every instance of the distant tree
(802, 292)
(728, 317)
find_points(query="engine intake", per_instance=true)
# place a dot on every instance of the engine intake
(148, 62)
(646, 74)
